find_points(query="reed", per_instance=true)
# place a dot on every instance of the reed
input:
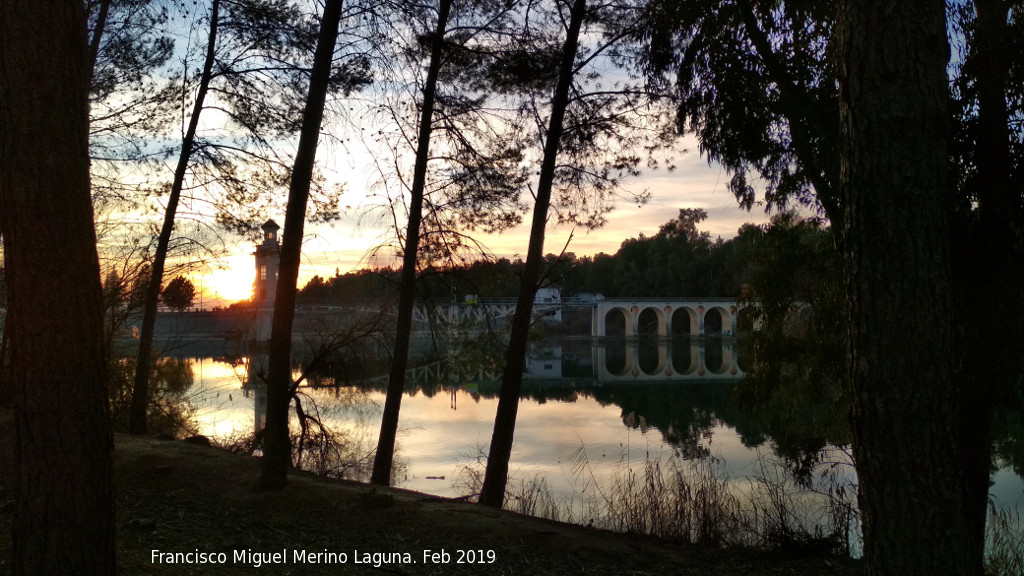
(1004, 542)
(696, 502)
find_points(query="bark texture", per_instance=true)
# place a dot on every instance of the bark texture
(989, 272)
(64, 511)
(384, 458)
(503, 436)
(893, 188)
(276, 441)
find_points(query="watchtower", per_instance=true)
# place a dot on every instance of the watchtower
(268, 258)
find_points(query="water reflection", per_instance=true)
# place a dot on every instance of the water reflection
(623, 402)
(570, 400)
(666, 359)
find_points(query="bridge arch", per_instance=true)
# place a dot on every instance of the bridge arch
(684, 321)
(651, 321)
(673, 317)
(612, 318)
(714, 321)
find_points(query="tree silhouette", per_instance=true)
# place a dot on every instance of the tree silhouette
(280, 387)
(591, 137)
(64, 512)
(894, 150)
(179, 293)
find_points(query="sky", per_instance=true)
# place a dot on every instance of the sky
(347, 244)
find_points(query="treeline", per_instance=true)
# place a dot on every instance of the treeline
(784, 258)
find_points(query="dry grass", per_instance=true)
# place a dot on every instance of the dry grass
(173, 496)
(695, 502)
(1005, 542)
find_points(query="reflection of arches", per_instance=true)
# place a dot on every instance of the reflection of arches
(714, 359)
(651, 322)
(651, 358)
(685, 355)
(625, 359)
(684, 322)
(615, 358)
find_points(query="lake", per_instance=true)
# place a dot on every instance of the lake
(590, 414)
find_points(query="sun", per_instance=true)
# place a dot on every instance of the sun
(232, 283)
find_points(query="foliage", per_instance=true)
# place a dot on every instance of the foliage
(678, 260)
(169, 411)
(132, 98)
(1008, 431)
(179, 293)
(472, 175)
(756, 82)
(345, 453)
(794, 336)
(262, 58)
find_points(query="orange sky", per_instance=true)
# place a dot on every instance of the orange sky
(346, 245)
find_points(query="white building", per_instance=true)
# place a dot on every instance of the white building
(268, 259)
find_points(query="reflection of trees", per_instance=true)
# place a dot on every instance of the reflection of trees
(169, 411)
(1008, 433)
(686, 414)
(714, 355)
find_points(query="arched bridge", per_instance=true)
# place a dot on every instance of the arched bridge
(665, 316)
(629, 317)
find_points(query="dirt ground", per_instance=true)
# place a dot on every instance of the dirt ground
(175, 497)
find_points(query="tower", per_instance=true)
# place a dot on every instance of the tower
(268, 257)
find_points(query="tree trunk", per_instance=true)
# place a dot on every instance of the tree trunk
(276, 441)
(97, 34)
(385, 455)
(64, 512)
(496, 476)
(901, 364)
(989, 273)
(140, 391)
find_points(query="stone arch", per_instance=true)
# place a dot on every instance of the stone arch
(651, 322)
(684, 322)
(718, 321)
(618, 322)
(714, 321)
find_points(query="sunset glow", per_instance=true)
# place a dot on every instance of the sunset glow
(233, 283)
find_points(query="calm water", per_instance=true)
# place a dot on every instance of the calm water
(446, 429)
(610, 408)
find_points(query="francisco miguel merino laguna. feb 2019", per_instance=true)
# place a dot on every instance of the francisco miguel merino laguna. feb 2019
(375, 559)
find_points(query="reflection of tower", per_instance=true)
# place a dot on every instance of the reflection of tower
(259, 405)
(268, 256)
(255, 384)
